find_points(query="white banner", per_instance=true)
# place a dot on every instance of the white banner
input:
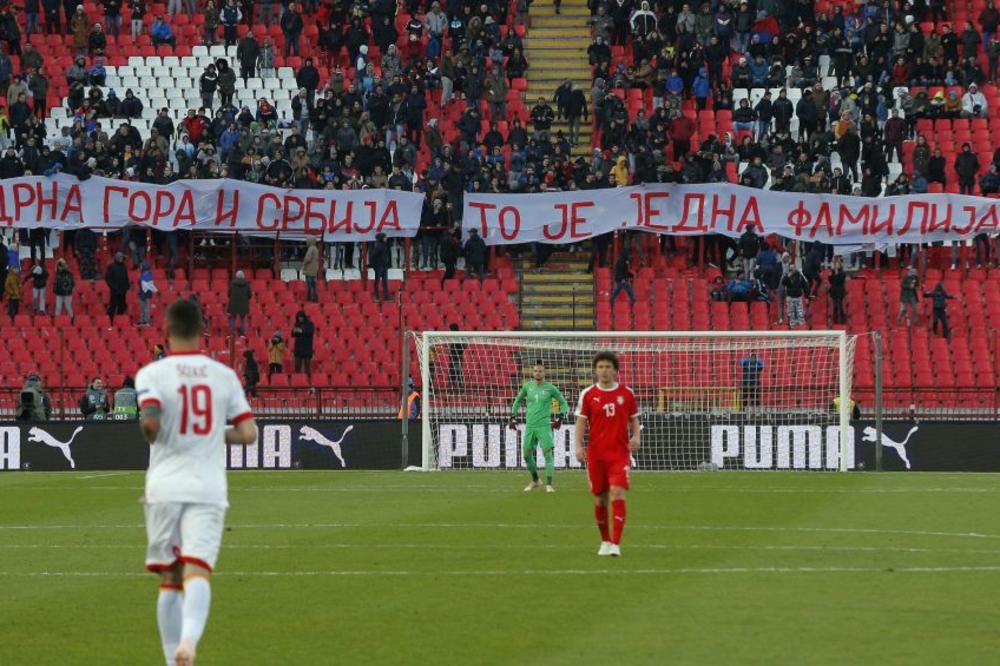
(63, 202)
(693, 210)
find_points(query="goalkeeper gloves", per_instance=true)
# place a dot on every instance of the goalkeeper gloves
(557, 421)
(512, 424)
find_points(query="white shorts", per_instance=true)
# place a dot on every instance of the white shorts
(181, 532)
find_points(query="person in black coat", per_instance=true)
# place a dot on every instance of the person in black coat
(379, 260)
(838, 290)
(966, 166)
(475, 255)
(449, 252)
(247, 53)
(303, 332)
(251, 373)
(116, 278)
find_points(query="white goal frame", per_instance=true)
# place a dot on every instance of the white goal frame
(426, 339)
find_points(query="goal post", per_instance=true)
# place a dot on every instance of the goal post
(708, 399)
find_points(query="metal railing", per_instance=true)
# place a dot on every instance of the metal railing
(328, 402)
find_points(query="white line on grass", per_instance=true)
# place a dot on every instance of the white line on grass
(481, 573)
(493, 489)
(534, 526)
(509, 546)
(101, 476)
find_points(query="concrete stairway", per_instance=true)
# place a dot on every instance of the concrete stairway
(556, 49)
(560, 297)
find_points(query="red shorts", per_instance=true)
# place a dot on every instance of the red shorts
(603, 474)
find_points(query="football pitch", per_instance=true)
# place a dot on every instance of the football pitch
(465, 568)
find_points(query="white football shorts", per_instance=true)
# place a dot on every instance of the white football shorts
(183, 532)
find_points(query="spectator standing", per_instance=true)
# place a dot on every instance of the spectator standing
(475, 255)
(291, 27)
(908, 298)
(62, 288)
(276, 347)
(147, 289)
(939, 298)
(208, 83)
(450, 251)
(247, 53)
(796, 287)
(623, 279)
(303, 332)
(116, 277)
(12, 291)
(239, 303)
(838, 291)
(211, 13)
(251, 373)
(126, 403)
(39, 279)
(751, 368)
(230, 18)
(94, 404)
(310, 270)
(966, 167)
(749, 248)
(380, 256)
(138, 12)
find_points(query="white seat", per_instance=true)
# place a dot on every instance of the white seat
(160, 70)
(149, 113)
(794, 95)
(286, 73)
(829, 83)
(148, 82)
(199, 51)
(171, 61)
(166, 82)
(143, 70)
(190, 61)
(175, 93)
(255, 83)
(217, 51)
(157, 103)
(824, 65)
(130, 82)
(136, 60)
(179, 72)
(125, 70)
(113, 82)
(738, 94)
(183, 83)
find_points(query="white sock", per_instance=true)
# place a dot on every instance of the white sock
(197, 599)
(168, 616)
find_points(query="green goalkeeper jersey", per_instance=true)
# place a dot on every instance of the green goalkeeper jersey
(538, 401)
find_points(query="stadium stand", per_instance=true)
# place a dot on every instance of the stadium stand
(425, 95)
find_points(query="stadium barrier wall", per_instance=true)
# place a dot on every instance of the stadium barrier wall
(753, 444)
(282, 444)
(926, 446)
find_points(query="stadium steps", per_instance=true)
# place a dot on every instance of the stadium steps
(556, 49)
(560, 297)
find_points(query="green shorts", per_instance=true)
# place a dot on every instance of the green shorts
(537, 437)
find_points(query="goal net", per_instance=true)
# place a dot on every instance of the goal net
(726, 400)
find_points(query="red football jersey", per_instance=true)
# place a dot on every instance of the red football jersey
(608, 412)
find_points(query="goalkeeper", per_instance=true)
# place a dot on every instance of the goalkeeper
(539, 420)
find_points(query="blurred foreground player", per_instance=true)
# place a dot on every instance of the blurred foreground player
(610, 411)
(186, 401)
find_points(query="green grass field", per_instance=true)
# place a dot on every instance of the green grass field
(464, 568)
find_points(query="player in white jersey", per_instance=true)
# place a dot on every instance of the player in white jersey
(187, 400)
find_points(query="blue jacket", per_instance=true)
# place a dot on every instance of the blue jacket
(758, 72)
(700, 86)
(161, 30)
(675, 85)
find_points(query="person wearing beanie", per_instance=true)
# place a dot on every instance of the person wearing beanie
(239, 303)
(39, 278)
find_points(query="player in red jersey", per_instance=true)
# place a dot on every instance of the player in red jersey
(612, 413)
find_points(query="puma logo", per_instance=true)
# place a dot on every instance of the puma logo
(41, 437)
(899, 447)
(312, 435)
